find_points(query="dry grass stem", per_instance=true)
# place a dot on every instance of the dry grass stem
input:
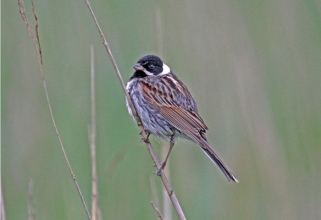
(94, 191)
(167, 186)
(36, 44)
(2, 210)
(167, 209)
(157, 211)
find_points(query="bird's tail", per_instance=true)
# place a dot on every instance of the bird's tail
(214, 157)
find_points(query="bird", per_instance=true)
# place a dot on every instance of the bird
(167, 109)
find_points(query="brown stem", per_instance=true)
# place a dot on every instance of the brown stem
(2, 209)
(92, 134)
(37, 46)
(157, 211)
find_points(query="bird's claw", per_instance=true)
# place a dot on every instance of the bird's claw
(158, 172)
(145, 139)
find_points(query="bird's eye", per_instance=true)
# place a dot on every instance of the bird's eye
(151, 66)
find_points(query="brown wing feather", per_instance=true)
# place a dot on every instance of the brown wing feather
(162, 100)
(181, 119)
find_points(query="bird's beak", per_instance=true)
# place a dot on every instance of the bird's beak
(138, 66)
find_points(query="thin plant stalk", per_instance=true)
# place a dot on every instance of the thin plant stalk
(167, 209)
(94, 189)
(2, 210)
(37, 46)
(157, 211)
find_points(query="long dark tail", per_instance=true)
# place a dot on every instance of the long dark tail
(214, 157)
(200, 139)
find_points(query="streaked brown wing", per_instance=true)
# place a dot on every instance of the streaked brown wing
(182, 119)
(162, 98)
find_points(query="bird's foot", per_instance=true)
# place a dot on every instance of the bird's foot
(145, 139)
(159, 171)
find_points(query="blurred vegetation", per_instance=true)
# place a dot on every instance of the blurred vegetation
(253, 67)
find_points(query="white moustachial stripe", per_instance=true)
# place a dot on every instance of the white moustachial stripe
(148, 73)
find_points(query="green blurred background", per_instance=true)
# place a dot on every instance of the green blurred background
(254, 68)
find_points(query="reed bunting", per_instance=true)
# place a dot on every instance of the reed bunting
(167, 109)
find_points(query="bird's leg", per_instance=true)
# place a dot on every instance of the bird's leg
(158, 172)
(143, 139)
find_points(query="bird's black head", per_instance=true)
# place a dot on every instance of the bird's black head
(150, 65)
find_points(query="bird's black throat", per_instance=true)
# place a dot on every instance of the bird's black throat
(138, 74)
